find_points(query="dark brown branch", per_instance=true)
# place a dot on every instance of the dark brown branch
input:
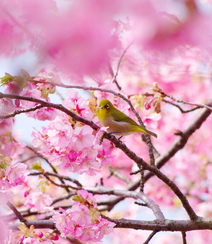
(60, 177)
(181, 110)
(150, 237)
(66, 196)
(173, 104)
(184, 237)
(52, 105)
(165, 225)
(182, 140)
(73, 240)
(14, 113)
(16, 212)
(183, 102)
(38, 224)
(155, 171)
(54, 183)
(157, 225)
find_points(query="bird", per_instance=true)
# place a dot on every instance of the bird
(117, 122)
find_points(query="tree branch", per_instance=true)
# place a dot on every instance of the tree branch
(176, 146)
(156, 225)
(150, 237)
(16, 212)
(12, 114)
(60, 177)
(121, 146)
(132, 194)
(119, 175)
(54, 183)
(184, 237)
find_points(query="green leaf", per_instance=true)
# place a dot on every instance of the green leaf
(78, 198)
(6, 79)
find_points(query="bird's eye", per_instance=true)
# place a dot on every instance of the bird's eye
(107, 106)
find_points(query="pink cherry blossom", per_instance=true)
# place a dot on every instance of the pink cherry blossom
(82, 137)
(64, 222)
(38, 201)
(80, 214)
(88, 197)
(104, 228)
(16, 173)
(60, 135)
(5, 233)
(6, 125)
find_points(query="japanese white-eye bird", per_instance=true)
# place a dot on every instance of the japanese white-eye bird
(118, 122)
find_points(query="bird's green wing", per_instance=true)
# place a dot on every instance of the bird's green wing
(121, 117)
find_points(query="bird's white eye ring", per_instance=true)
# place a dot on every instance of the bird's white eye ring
(107, 106)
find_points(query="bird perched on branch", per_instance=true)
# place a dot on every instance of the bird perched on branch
(118, 122)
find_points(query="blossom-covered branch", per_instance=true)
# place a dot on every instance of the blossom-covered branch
(119, 145)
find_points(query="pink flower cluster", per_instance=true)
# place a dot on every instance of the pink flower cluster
(12, 171)
(30, 236)
(38, 201)
(68, 148)
(83, 220)
(20, 85)
(69, 145)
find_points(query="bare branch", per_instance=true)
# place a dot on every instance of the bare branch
(157, 225)
(118, 66)
(119, 175)
(14, 113)
(158, 90)
(60, 177)
(16, 212)
(52, 105)
(132, 194)
(150, 237)
(38, 224)
(165, 225)
(173, 104)
(65, 196)
(54, 183)
(184, 237)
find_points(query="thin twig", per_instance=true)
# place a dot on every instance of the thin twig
(63, 197)
(150, 236)
(142, 179)
(47, 161)
(54, 183)
(184, 237)
(158, 90)
(119, 175)
(60, 177)
(141, 204)
(118, 66)
(181, 110)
